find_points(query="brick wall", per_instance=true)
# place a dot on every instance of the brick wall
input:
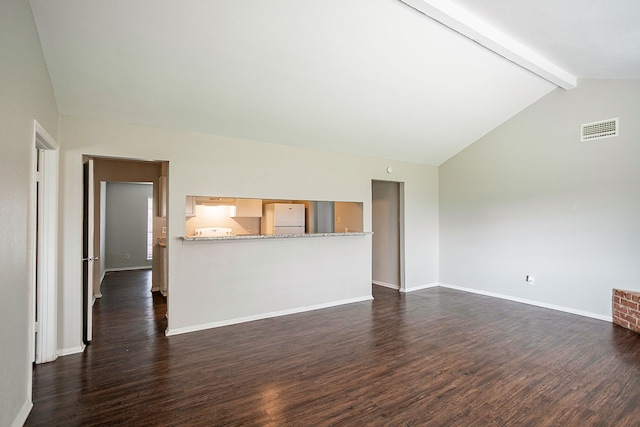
(626, 309)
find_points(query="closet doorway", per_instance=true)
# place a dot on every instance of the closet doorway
(387, 201)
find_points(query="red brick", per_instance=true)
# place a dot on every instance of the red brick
(620, 308)
(634, 313)
(623, 324)
(626, 309)
(631, 320)
(630, 304)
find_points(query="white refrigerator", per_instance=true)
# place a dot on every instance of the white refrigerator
(283, 218)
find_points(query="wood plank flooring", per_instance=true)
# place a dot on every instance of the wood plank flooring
(436, 357)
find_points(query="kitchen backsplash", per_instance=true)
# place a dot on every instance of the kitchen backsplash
(219, 216)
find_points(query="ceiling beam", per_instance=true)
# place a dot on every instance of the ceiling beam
(470, 26)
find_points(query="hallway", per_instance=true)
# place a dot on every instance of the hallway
(128, 341)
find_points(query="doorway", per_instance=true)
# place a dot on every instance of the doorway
(43, 230)
(388, 234)
(119, 171)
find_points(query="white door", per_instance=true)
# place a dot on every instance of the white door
(88, 257)
(44, 226)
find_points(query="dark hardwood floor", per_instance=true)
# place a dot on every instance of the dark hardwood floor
(435, 357)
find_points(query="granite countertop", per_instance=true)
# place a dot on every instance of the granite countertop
(270, 236)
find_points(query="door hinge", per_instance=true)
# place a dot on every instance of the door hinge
(36, 327)
(38, 176)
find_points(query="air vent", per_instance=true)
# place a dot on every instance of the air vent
(599, 130)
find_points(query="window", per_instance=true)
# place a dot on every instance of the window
(150, 228)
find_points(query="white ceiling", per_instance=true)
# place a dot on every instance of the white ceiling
(597, 39)
(370, 77)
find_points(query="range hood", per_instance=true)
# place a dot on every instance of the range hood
(216, 201)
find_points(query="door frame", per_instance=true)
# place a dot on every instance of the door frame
(43, 246)
(88, 256)
(401, 228)
(88, 298)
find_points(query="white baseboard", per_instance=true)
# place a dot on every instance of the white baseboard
(385, 284)
(71, 350)
(102, 277)
(21, 418)
(177, 331)
(531, 302)
(140, 267)
(419, 287)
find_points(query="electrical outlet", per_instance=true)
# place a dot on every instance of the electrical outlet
(529, 279)
(164, 230)
(127, 256)
(249, 228)
(338, 219)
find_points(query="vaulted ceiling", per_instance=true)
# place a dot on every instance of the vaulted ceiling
(372, 77)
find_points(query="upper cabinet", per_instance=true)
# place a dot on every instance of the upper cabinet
(190, 209)
(246, 208)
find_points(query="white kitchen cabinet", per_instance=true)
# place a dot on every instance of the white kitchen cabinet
(247, 208)
(190, 209)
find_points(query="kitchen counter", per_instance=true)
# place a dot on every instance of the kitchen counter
(270, 236)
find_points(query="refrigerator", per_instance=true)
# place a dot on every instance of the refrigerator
(283, 218)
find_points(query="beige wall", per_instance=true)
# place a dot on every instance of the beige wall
(211, 283)
(26, 95)
(349, 215)
(530, 198)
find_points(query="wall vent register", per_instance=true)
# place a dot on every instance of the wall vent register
(599, 130)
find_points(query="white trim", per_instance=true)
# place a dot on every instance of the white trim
(481, 32)
(90, 290)
(32, 238)
(170, 332)
(43, 139)
(531, 302)
(140, 267)
(21, 418)
(420, 287)
(71, 350)
(44, 241)
(401, 230)
(385, 284)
